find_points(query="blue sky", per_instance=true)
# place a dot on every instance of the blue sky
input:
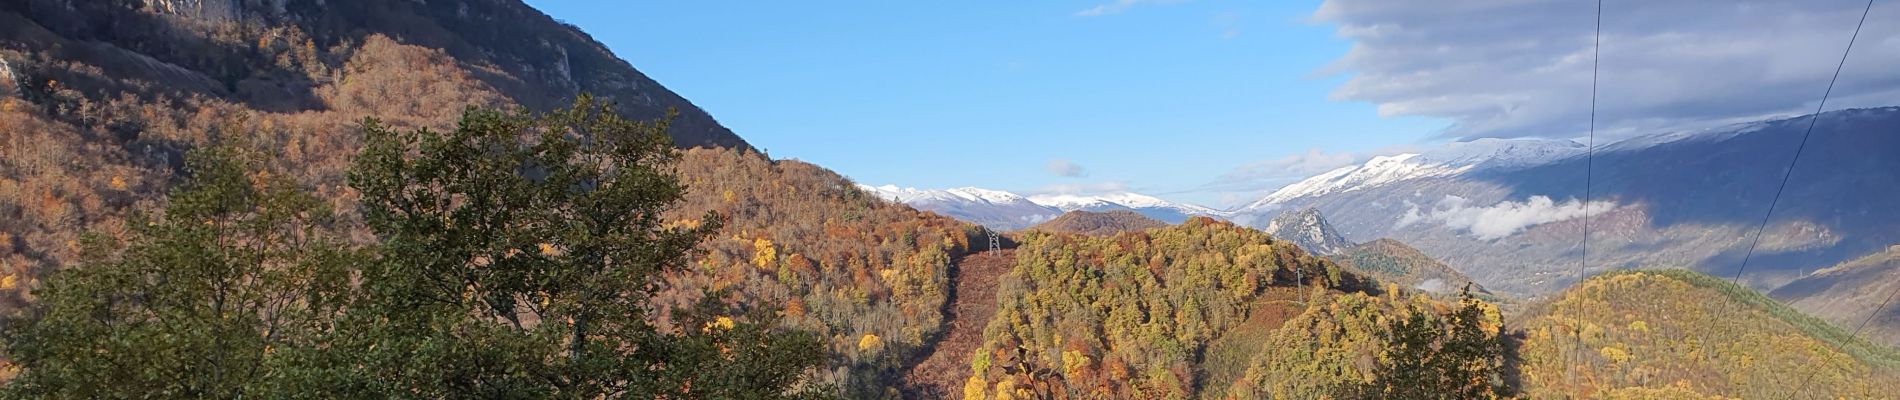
(1157, 97)
(1217, 102)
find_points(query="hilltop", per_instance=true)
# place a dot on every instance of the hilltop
(1103, 223)
(1645, 333)
(1393, 261)
(1186, 311)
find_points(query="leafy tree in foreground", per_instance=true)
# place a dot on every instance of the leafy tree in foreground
(1458, 356)
(518, 253)
(197, 303)
(515, 259)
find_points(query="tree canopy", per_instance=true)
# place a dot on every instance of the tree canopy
(514, 257)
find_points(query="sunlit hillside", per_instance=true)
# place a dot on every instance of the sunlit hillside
(1653, 332)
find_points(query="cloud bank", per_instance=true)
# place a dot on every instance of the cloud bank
(1515, 68)
(1503, 219)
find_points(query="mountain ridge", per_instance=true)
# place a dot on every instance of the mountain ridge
(1010, 211)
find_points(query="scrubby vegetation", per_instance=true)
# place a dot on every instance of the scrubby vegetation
(1672, 331)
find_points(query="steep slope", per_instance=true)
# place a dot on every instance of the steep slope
(1676, 330)
(1307, 229)
(940, 373)
(1392, 261)
(1846, 294)
(276, 55)
(1682, 198)
(803, 244)
(1104, 223)
(102, 98)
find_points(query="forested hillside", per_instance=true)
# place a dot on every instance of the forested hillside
(800, 241)
(1101, 223)
(100, 100)
(1133, 315)
(1392, 261)
(1848, 295)
(1647, 334)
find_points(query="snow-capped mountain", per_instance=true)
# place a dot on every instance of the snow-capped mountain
(1166, 211)
(1448, 160)
(993, 208)
(1009, 211)
(1510, 212)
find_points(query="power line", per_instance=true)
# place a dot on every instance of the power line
(1851, 336)
(1812, 119)
(1803, 146)
(1589, 169)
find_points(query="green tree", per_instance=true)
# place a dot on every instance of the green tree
(515, 257)
(1428, 357)
(518, 253)
(197, 303)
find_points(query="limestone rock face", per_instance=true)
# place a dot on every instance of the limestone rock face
(1307, 229)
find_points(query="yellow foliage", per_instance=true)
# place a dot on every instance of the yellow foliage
(118, 182)
(1639, 326)
(9, 281)
(730, 197)
(687, 223)
(1615, 355)
(763, 254)
(1073, 362)
(1004, 391)
(549, 249)
(723, 323)
(869, 342)
(973, 388)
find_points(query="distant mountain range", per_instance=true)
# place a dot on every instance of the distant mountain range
(1510, 210)
(1009, 211)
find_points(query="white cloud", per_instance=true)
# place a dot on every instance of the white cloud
(1066, 168)
(1503, 219)
(1512, 68)
(1117, 6)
